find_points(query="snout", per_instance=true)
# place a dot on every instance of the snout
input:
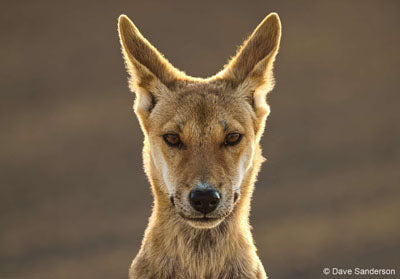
(204, 200)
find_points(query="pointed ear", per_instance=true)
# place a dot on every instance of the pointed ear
(151, 74)
(251, 68)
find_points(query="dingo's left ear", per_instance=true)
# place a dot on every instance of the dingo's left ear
(144, 58)
(251, 68)
(151, 74)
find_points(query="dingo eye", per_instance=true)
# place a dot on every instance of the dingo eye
(172, 139)
(233, 139)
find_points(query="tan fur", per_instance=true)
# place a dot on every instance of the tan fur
(202, 112)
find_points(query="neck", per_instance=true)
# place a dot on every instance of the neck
(171, 246)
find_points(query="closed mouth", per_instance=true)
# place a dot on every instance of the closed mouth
(203, 219)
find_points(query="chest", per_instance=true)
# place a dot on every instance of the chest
(189, 267)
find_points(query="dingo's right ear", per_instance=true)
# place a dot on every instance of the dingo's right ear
(251, 68)
(151, 74)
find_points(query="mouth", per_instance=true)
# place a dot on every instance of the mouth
(203, 219)
(202, 222)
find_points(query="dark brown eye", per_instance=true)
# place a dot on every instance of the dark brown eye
(232, 139)
(172, 139)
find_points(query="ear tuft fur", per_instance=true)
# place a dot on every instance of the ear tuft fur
(151, 75)
(257, 53)
(144, 62)
(251, 68)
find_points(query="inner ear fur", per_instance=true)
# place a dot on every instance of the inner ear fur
(151, 75)
(251, 68)
(257, 53)
(143, 57)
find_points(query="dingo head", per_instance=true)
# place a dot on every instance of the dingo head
(202, 135)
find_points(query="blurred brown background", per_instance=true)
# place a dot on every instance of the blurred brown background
(74, 200)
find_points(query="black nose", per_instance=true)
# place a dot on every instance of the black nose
(204, 200)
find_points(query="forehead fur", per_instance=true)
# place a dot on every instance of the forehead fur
(203, 104)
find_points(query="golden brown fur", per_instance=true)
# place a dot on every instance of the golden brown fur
(202, 112)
